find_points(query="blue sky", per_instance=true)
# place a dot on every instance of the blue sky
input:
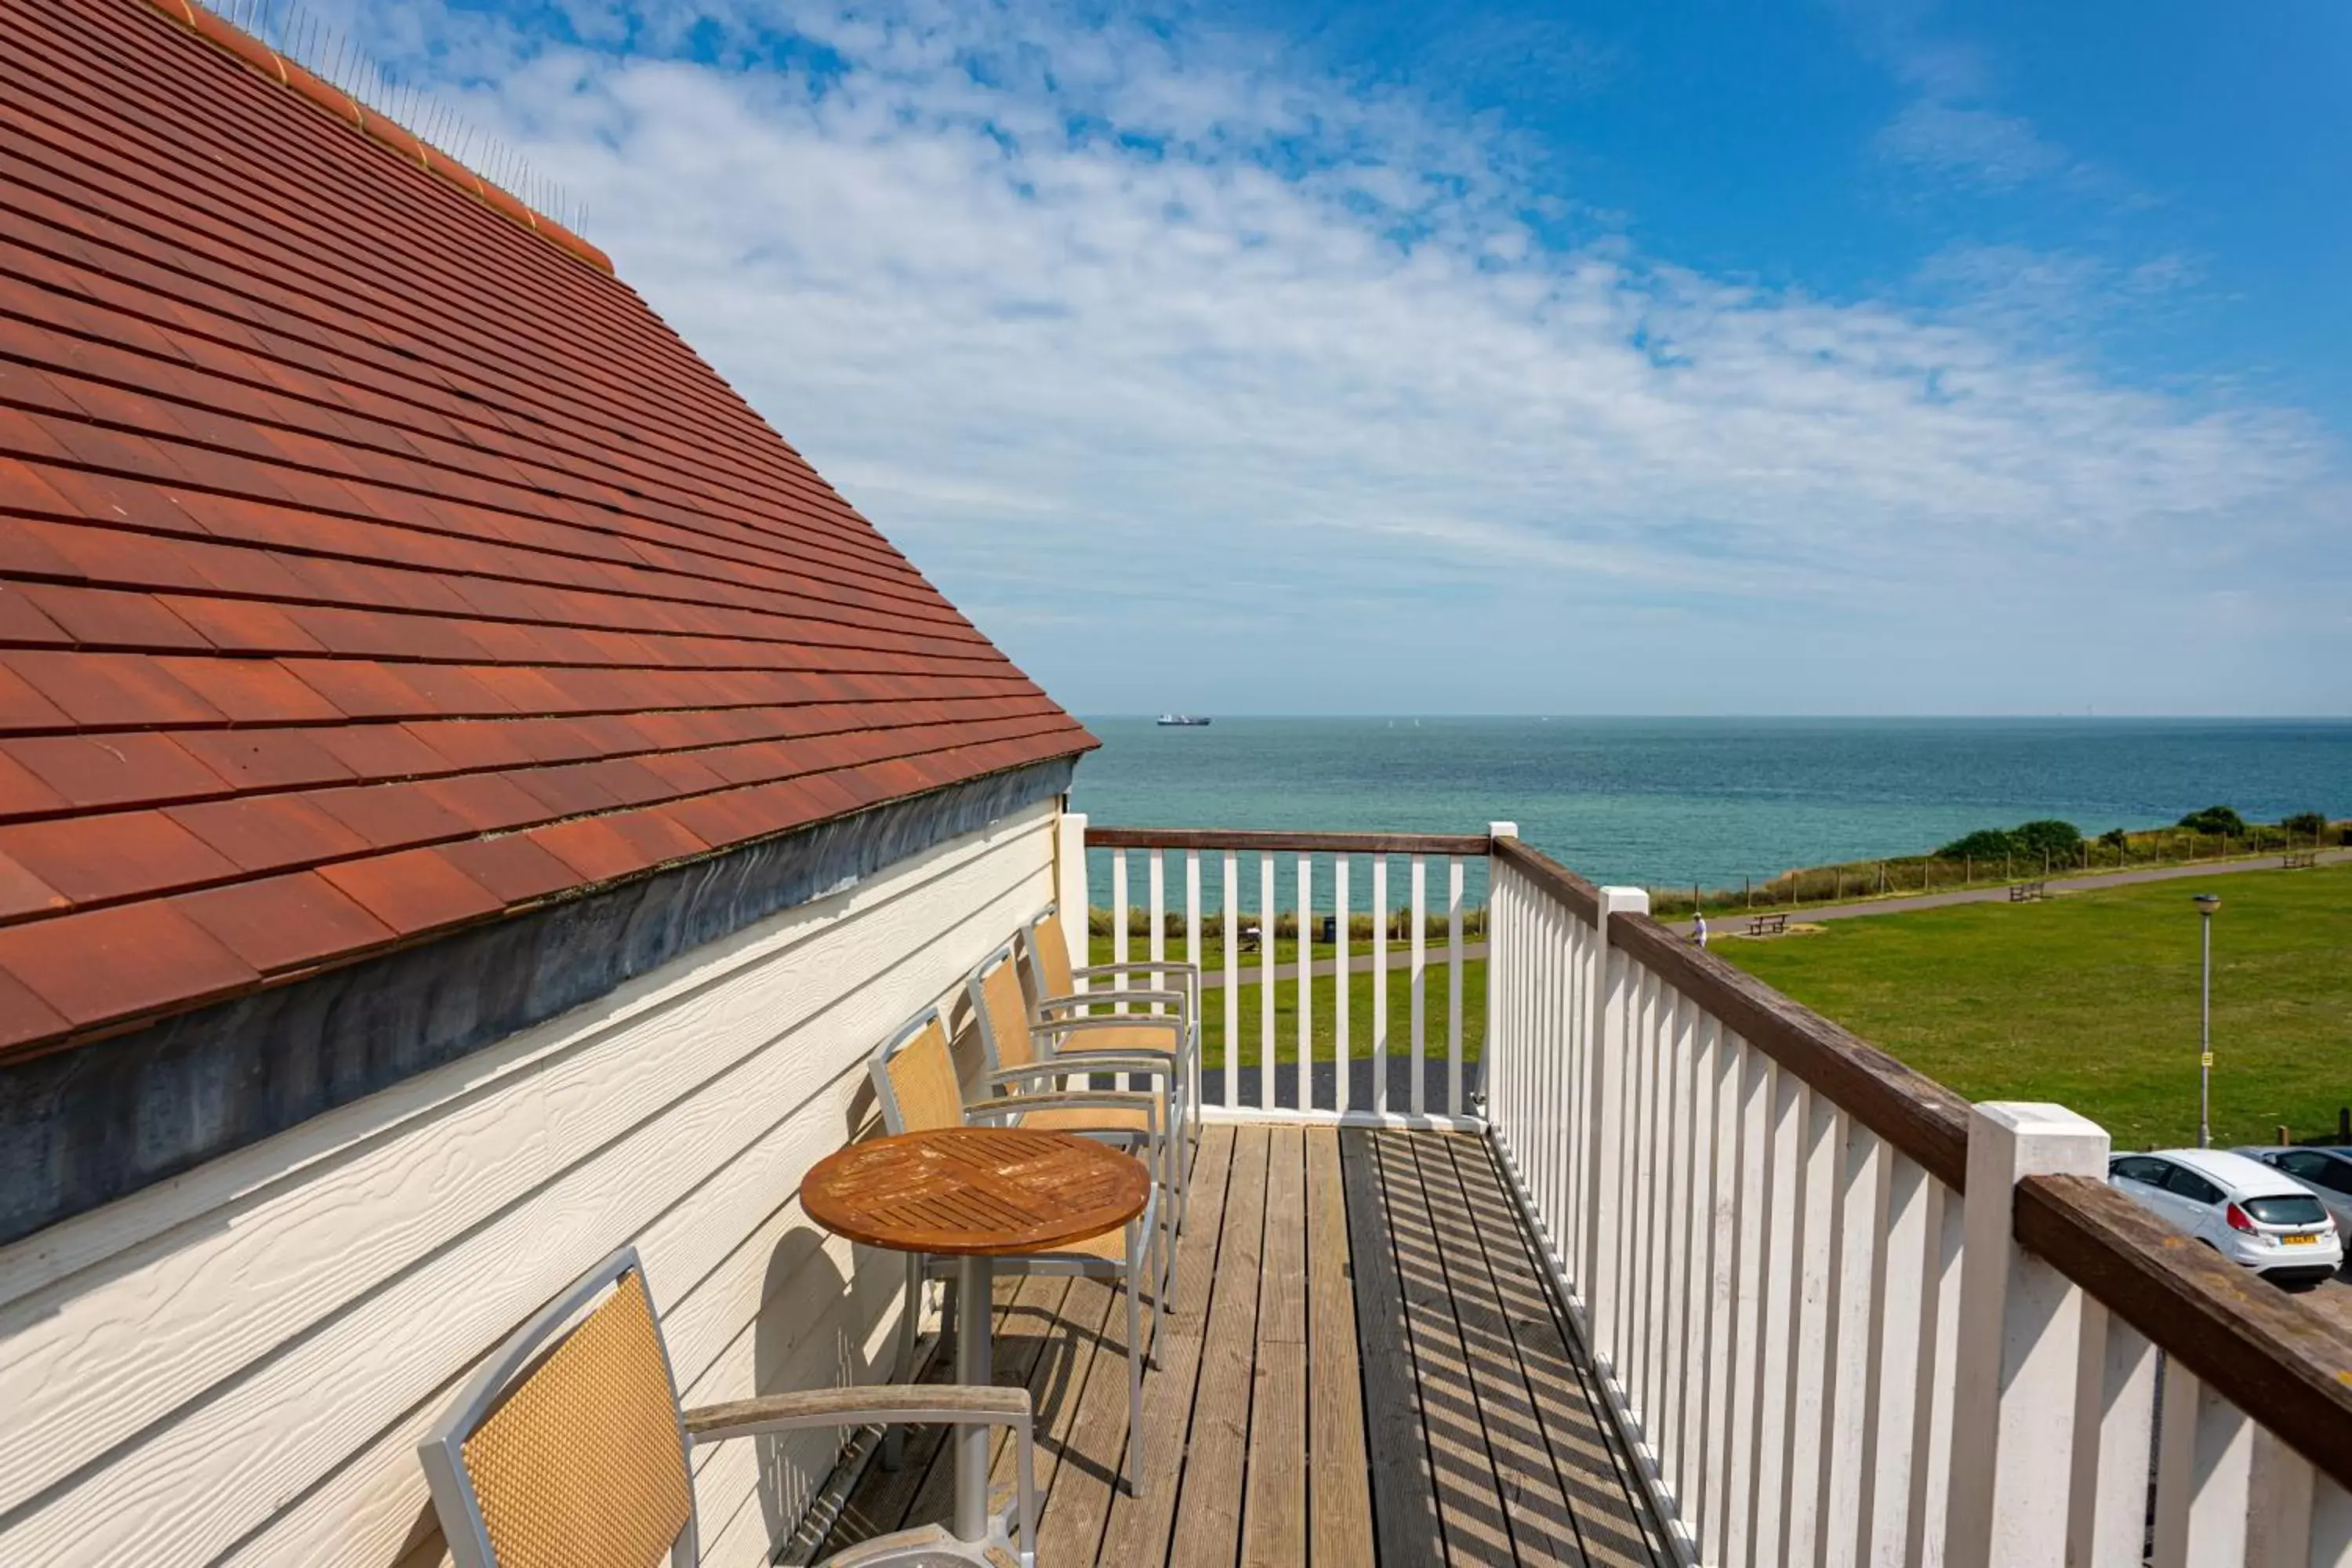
(1676, 358)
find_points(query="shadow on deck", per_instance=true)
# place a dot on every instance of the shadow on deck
(1362, 1365)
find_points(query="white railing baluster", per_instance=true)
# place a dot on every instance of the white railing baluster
(1856, 1224)
(1783, 1199)
(1380, 983)
(1269, 918)
(1119, 913)
(1158, 886)
(1343, 1061)
(1752, 1198)
(1306, 891)
(1932, 1398)
(1897, 1310)
(1231, 891)
(1696, 1217)
(2115, 1415)
(2204, 1462)
(2331, 1524)
(1456, 980)
(1671, 1245)
(1419, 978)
(1811, 1369)
(2278, 1511)
(1196, 952)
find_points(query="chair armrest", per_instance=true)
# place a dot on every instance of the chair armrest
(1146, 1063)
(1054, 1029)
(1110, 998)
(888, 1404)
(1072, 1099)
(1135, 966)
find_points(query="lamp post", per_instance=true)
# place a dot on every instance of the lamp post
(2206, 904)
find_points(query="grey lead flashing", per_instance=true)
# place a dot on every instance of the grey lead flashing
(83, 1127)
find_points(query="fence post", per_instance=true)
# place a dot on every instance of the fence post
(1612, 1002)
(1070, 883)
(2020, 1340)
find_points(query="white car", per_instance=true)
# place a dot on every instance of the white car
(2326, 1171)
(2249, 1213)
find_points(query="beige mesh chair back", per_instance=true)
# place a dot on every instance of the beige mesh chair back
(915, 1077)
(569, 1449)
(1003, 1012)
(1052, 946)
(569, 1452)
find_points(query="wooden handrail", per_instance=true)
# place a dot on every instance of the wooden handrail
(1582, 899)
(1918, 1116)
(2270, 1356)
(1279, 842)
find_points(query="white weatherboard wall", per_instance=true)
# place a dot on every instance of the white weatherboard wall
(235, 1366)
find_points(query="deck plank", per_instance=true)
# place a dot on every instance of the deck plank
(1406, 1527)
(1469, 1494)
(1594, 1472)
(1274, 1504)
(1137, 1532)
(1209, 1495)
(1339, 1499)
(1535, 1503)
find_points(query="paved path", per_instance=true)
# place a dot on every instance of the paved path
(1733, 922)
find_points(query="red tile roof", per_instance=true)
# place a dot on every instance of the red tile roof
(370, 566)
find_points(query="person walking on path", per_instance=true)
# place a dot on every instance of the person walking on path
(1698, 929)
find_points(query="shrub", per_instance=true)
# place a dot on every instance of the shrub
(1984, 844)
(2114, 838)
(2302, 823)
(2215, 819)
(2061, 841)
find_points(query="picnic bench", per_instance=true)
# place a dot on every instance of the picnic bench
(2299, 860)
(2027, 892)
(1768, 925)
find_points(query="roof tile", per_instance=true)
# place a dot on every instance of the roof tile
(128, 769)
(514, 868)
(412, 890)
(265, 833)
(284, 922)
(103, 965)
(92, 859)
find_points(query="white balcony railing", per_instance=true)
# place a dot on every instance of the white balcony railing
(1840, 1315)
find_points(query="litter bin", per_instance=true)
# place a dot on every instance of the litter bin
(1327, 928)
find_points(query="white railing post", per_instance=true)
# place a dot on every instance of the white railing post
(1493, 1075)
(1605, 1119)
(1070, 882)
(2020, 1340)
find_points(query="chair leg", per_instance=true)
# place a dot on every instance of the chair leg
(910, 1325)
(1135, 1353)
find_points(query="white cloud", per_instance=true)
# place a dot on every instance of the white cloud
(1270, 355)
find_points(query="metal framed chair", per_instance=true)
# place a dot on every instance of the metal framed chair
(916, 1084)
(1173, 984)
(1019, 1048)
(570, 1449)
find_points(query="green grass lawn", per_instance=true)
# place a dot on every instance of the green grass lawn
(1437, 981)
(2091, 1000)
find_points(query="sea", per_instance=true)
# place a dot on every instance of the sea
(1673, 802)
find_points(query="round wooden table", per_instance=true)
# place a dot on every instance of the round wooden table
(975, 1194)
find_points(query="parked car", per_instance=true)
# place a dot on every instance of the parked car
(2249, 1213)
(2326, 1171)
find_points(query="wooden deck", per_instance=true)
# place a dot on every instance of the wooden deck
(1362, 1365)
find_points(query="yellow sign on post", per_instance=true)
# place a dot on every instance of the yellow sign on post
(2206, 1060)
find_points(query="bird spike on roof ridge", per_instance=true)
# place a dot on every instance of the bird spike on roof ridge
(283, 41)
